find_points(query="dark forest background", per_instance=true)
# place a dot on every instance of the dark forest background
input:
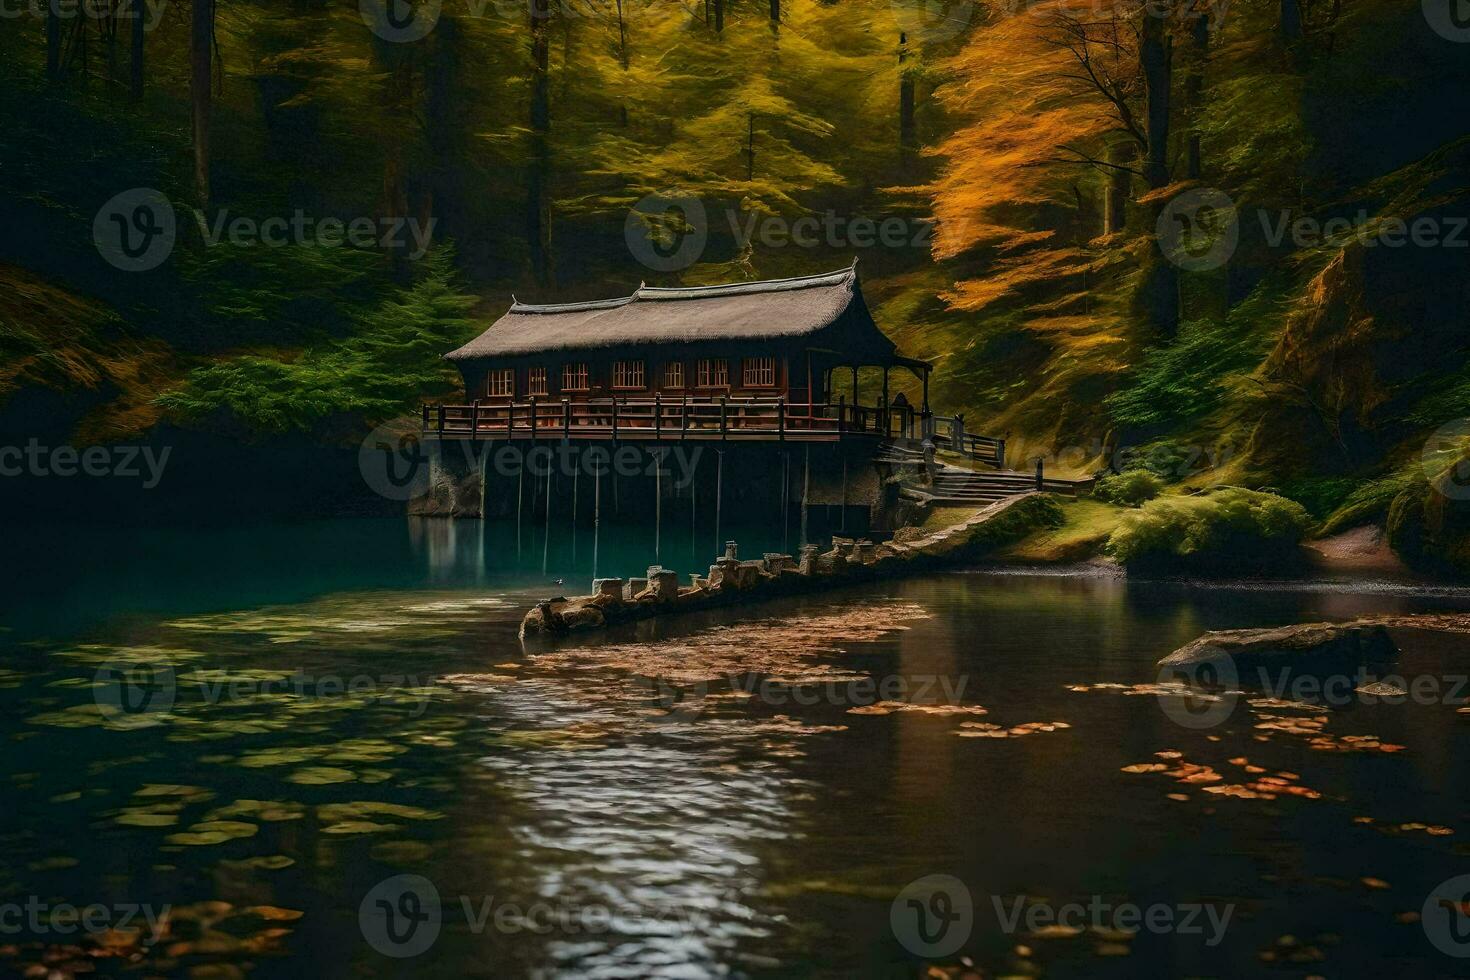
(1029, 151)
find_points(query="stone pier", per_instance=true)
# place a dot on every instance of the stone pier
(732, 580)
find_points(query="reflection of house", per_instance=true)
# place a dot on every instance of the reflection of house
(745, 360)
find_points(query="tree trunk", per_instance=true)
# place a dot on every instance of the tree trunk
(53, 39)
(1291, 20)
(1158, 295)
(538, 202)
(1194, 86)
(201, 46)
(1155, 56)
(136, 64)
(1119, 187)
(907, 132)
(719, 16)
(775, 15)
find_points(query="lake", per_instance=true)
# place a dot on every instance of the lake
(307, 750)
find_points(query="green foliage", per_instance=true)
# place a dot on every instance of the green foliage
(1320, 495)
(1369, 501)
(281, 295)
(1191, 376)
(392, 358)
(1428, 522)
(1129, 489)
(1231, 527)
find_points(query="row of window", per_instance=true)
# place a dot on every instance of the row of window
(758, 372)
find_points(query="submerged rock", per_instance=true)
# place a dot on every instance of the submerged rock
(1313, 648)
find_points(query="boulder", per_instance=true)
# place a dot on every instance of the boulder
(1259, 655)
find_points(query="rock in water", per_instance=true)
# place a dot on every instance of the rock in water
(1322, 649)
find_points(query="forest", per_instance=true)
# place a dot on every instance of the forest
(1220, 242)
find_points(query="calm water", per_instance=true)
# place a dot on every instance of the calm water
(611, 807)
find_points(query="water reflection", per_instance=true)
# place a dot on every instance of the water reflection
(670, 776)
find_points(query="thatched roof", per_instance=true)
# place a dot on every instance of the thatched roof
(824, 311)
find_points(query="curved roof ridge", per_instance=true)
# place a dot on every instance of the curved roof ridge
(745, 288)
(516, 306)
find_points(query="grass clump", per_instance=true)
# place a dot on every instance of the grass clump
(1230, 529)
(1128, 489)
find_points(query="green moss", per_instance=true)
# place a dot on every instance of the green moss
(1229, 529)
(1086, 525)
(1025, 516)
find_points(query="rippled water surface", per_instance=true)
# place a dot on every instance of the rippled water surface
(257, 729)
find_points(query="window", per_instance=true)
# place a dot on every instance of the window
(500, 383)
(674, 374)
(536, 381)
(713, 373)
(760, 372)
(627, 374)
(574, 377)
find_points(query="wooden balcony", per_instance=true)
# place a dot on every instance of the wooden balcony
(660, 419)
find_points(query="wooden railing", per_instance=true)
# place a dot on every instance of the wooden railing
(948, 432)
(671, 419)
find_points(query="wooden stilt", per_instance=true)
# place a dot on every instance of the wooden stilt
(806, 486)
(843, 518)
(719, 490)
(546, 537)
(596, 516)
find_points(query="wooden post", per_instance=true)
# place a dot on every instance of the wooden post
(615, 420)
(684, 420)
(1000, 452)
(426, 417)
(441, 420)
(841, 414)
(658, 414)
(533, 417)
(724, 433)
(887, 418)
(781, 419)
(475, 419)
(566, 418)
(1040, 472)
